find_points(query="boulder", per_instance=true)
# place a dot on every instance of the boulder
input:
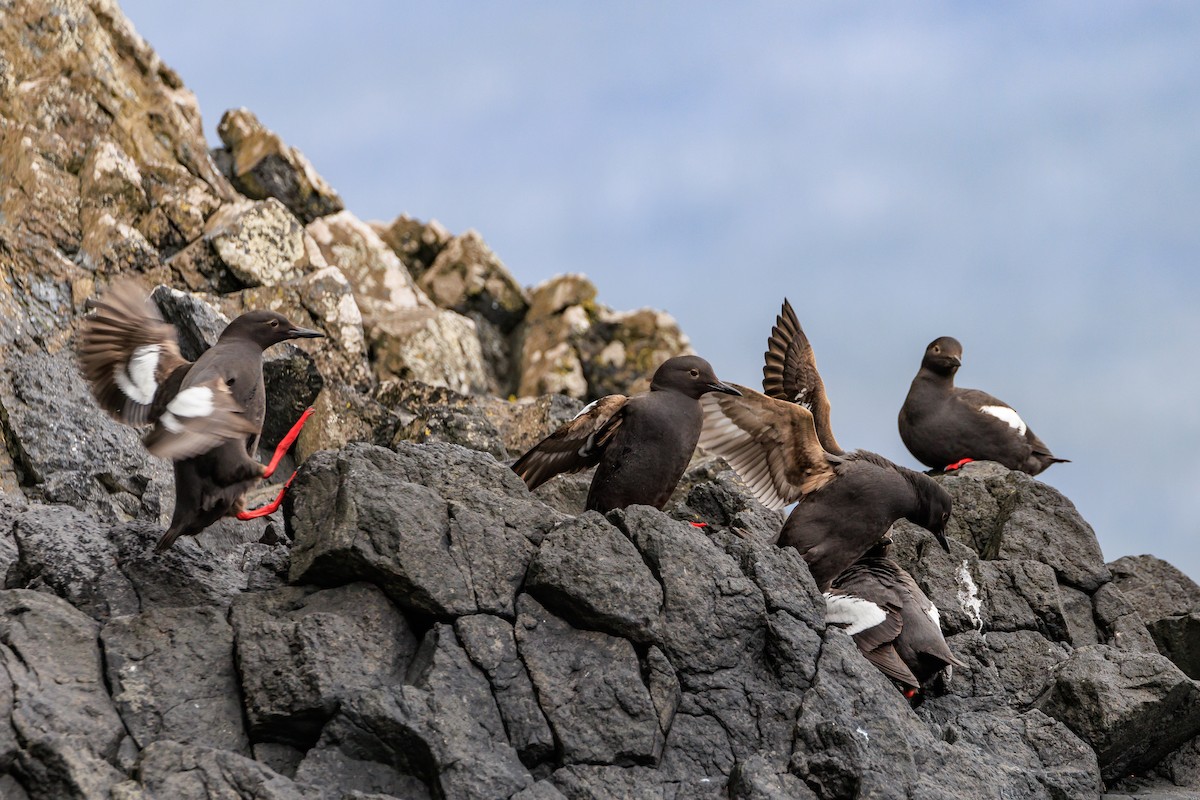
(261, 166)
(1168, 602)
(467, 276)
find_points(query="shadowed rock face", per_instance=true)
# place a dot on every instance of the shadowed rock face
(414, 623)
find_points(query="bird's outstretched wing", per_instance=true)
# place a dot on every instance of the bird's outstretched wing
(790, 373)
(130, 357)
(576, 445)
(771, 444)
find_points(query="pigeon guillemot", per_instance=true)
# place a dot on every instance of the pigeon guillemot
(944, 426)
(846, 501)
(207, 416)
(642, 443)
(893, 622)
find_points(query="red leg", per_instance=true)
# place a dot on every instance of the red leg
(698, 524)
(286, 442)
(269, 508)
(958, 464)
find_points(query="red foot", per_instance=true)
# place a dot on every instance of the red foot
(269, 508)
(909, 694)
(286, 442)
(698, 524)
(958, 464)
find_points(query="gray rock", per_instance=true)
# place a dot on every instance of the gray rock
(492, 646)
(173, 677)
(300, 650)
(1025, 663)
(756, 779)
(1118, 622)
(1079, 616)
(1132, 707)
(588, 573)
(189, 772)
(68, 553)
(596, 782)
(1022, 595)
(590, 687)
(59, 767)
(467, 276)
(1168, 602)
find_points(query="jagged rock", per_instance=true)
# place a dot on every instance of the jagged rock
(51, 654)
(590, 688)
(417, 243)
(1168, 602)
(57, 768)
(369, 513)
(587, 572)
(190, 772)
(407, 739)
(756, 779)
(626, 347)
(1132, 707)
(492, 646)
(261, 243)
(430, 345)
(299, 651)
(260, 165)
(382, 284)
(711, 493)
(68, 553)
(467, 276)
(173, 678)
(1118, 622)
(436, 414)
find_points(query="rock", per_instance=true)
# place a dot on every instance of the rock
(190, 772)
(262, 166)
(51, 654)
(1132, 707)
(436, 414)
(417, 243)
(299, 651)
(467, 276)
(430, 345)
(382, 284)
(173, 677)
(342, 415)
(626, 347)
(492, 646)
(429, 554)
(1118, 622)
(587, 572)
(261, 243)
(1168, 602)
(756, 779)
(56, 768)
(590, 687)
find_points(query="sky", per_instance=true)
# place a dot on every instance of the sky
(1024, 177)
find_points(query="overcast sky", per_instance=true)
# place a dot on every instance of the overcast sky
(1022, 176)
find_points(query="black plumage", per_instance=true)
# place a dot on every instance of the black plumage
(944, 426)
(206, 416)
(893, 622)
(640, 445)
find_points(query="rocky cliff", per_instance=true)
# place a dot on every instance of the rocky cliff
(414, 623)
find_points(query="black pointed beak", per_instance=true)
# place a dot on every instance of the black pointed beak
(724, 388)
(955, 361)
(940, 535)
(305, 333)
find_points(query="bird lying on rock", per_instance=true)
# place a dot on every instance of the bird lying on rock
(897, 628)
(642, 443)
(945, 427)
(206, 415)
(844, 501)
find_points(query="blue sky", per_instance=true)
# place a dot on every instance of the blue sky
(1022, 176)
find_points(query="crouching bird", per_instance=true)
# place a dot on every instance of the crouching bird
(207, 415)
(781, 448)
(642, 443)
(945, 426)
(895, 625)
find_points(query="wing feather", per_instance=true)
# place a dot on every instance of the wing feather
(790, 374)
(576, 445)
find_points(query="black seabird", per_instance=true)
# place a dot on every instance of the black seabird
(893, 622)
(207, 416)
(945, 427)
(845, 501)
(642, 443)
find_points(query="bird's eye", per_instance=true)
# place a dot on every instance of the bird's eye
(937, 349)
(274, 323)
(695, 373)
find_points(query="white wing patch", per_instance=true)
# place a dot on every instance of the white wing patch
(935, 615)
(194, 402)
(1007, 415)
(855, 613)
(136, 379)
(585, 410)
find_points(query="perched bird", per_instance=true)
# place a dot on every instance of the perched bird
(642, 443)
(945, 427)
(206, 415)
(893, 623)
(844, 501)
